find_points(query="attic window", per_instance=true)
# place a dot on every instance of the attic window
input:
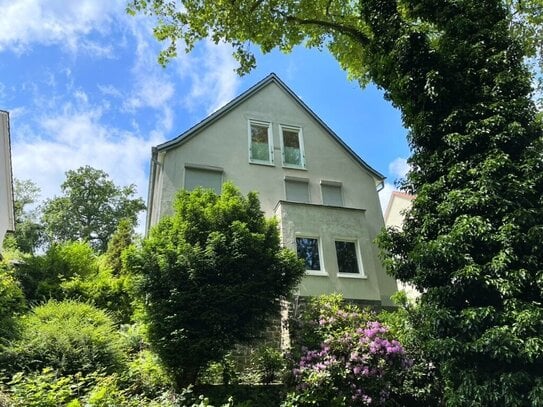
(260, 143)
(292, 147)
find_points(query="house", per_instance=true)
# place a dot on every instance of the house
(7, 217)
(399, 203)
(323, 194)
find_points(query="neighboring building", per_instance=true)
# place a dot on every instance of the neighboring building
(399, 203)
(7, 217)
(323, 194)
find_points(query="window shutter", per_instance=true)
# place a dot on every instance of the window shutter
(297, 191)
(205, 178)
(331, 195)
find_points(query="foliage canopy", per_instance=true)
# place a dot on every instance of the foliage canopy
(211, 275)
(90, 208)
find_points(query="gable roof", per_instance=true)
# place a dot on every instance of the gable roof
(271, 78)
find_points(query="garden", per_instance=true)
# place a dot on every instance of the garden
(181, 319)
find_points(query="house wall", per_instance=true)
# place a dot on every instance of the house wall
(328, 224)
(6, 188)
(224, 144)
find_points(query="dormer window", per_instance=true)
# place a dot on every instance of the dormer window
(292, 147)
(260, 143)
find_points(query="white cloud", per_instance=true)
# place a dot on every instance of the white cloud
(152, 85)
(211, 72)
(110, 90)
(399, 167)
(78, 137)
(152, 92)
(25, 22)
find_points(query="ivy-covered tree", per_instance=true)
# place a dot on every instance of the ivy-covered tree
(211, 277)
(472, 242)
(90, 208)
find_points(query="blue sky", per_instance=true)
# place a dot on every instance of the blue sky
(82, 85)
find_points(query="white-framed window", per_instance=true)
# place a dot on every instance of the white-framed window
(348, 258)
(203, 176)
(260, 142)
(297, 189)
(308, 249)
(331, 193)
(292, 146)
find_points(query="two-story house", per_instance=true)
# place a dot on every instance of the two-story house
(7, 220)
(323, 194)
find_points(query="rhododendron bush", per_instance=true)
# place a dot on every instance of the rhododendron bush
(358, 363)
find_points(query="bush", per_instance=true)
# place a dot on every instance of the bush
(41, 276)
(146, 376)
(269, 363)
(422, 385)
(211, 277)
(67, 336)
(104, 289)
(12, 303)
(47, 389)
(357, 363)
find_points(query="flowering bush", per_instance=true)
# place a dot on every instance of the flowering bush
(357, 364)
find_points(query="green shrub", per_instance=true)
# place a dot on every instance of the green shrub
(269, 363)
(211, 276)
(146, 375)
(67, 336)
(46, 389)
(105, 289)
(12, 302)
(41, 276)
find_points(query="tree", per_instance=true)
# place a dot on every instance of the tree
(211, 277)
(28, 234)
(472, 242)
(120, 240)
(90, 208)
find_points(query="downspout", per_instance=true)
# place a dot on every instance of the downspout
(150, 191)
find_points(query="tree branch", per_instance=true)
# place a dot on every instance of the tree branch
(342, 29)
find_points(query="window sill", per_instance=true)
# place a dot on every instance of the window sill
(317, 273)
(294, 167)
(267, 164)
(352, 275)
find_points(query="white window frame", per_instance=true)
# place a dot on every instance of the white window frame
(298, 130)
(270, 141)
(361, 274)
(322, 272)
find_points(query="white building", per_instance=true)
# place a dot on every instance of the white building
(323, 194)
(7, 218)
(398, 205)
